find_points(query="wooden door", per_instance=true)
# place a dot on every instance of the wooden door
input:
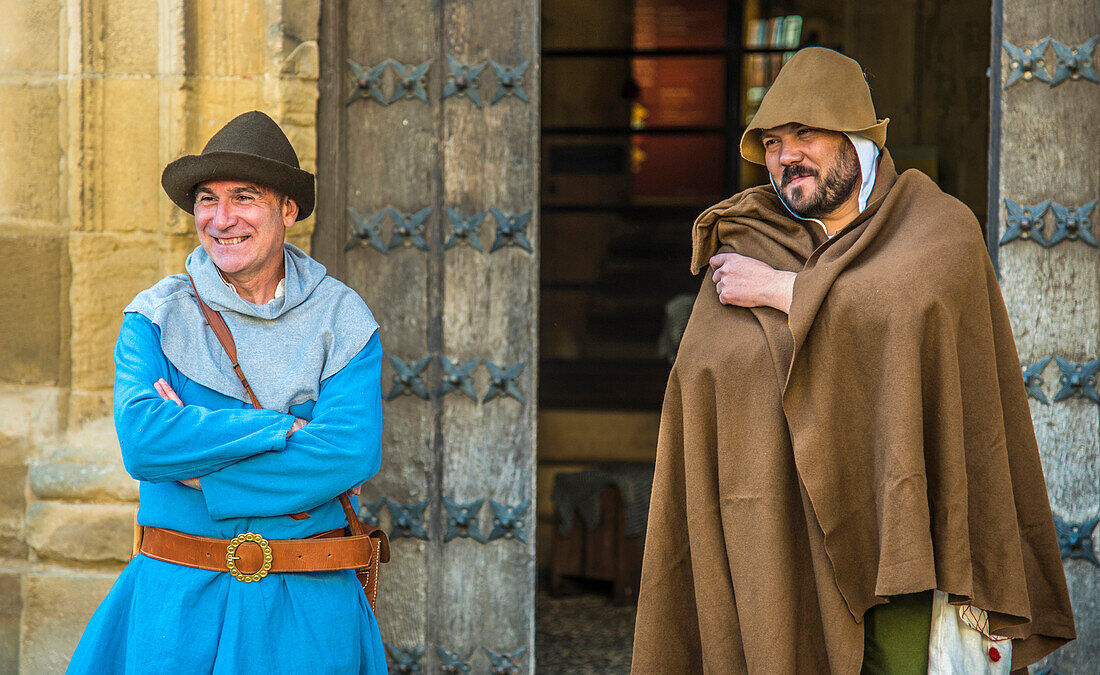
(427, 178)
(1044, 181)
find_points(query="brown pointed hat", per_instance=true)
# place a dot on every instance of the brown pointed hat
(820, 88)
(250, 147)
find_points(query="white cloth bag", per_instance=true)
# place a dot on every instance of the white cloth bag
(960, 641)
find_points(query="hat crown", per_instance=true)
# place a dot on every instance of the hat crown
(251, 147)
(819, 88)
(253, 133)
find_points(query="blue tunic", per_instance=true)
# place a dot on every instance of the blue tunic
(162, 617)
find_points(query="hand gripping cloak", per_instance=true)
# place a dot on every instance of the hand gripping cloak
(875, 442)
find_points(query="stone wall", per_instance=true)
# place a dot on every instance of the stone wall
(96, 96)
(1046, 143)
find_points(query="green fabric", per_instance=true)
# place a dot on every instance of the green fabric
(895, 635)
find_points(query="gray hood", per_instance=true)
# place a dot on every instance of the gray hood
(285, 347)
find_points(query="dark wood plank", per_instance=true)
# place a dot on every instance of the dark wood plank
(460, 304)
(489, 159)
(387, 156)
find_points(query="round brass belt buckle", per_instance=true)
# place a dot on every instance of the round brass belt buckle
(231, 557)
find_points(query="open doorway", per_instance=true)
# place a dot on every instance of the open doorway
(644, 102)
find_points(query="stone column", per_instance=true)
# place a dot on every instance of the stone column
(96, 96)
(1044, 141)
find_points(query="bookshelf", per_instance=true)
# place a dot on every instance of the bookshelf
(644, 102)
(768, 44)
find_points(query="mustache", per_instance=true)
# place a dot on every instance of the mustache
(795, 171)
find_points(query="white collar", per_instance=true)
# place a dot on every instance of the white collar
(280, 289)
(868, 154)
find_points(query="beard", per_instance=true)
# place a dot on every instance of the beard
(835, 188)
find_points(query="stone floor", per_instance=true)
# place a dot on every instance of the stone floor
(582, 634)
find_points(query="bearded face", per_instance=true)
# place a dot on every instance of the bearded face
(829, 191)
(816, 171)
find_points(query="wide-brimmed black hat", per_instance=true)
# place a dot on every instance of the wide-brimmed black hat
(250, 147)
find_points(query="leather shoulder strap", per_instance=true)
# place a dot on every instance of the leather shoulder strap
(221, 331)
(357, 526)
(380, 550)
(380, 544)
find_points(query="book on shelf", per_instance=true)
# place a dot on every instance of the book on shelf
(792, 32)
(779, 32)
(756, 33)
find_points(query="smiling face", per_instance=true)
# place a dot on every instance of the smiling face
(816, 171)
(242, 226)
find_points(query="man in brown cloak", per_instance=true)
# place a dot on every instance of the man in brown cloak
(845, 425)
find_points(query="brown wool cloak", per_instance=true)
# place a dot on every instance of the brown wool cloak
(878, 444)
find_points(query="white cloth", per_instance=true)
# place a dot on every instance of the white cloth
(960, 643)
(280, 289)
(868, 154)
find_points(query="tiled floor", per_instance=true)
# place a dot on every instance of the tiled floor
(582, 635)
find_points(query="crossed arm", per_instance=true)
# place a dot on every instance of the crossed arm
(747, 282)
(168, 394)
(247, 462)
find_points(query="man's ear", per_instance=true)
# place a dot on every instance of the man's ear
(290, 212)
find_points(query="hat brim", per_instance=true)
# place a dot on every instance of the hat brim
(752, 148)
(181, 176)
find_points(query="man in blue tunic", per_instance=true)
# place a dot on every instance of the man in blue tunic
(213, 467)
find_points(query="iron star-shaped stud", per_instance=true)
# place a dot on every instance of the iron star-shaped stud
(462, 520)
(1026, 62)
(405, 661)
(504, 663)
(1033, 379)
(408, 228)
(457, 377)
(1075, 539)
(464, 230)
(368, 83)
(1078, 380)
(366, 230)
(370, 512)
(508, 521)
(407, 378)
(1073, 223)
(463, 80)
(1074, 63)
(511, 230)
(410, 81)
(509, 81)
(1025, 222)
(502, 381)
(408, 519)
(454, 662)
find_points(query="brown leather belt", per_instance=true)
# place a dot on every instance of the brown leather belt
(249, 557)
